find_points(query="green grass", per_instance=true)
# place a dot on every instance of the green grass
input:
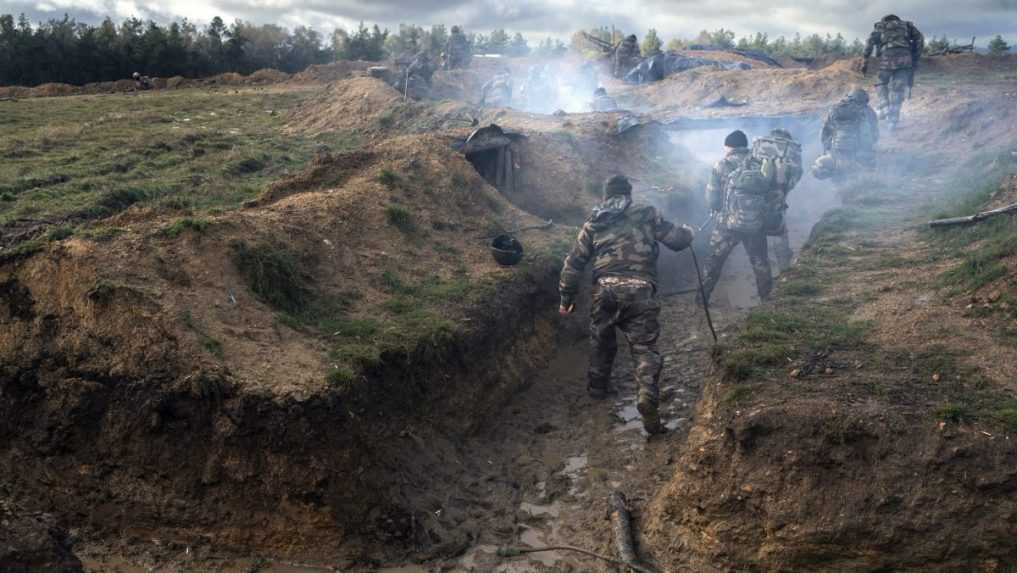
(389, 179)
(90, 157)
(181, 226)
(59, 233)
(774, 336)
(983, 247)
(401, 218)
(273, 273)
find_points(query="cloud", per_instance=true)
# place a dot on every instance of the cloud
(537, 19)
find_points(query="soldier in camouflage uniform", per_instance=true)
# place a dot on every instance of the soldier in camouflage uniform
(457, 50)
(620, 239)
(626, 56)
(418, 77)
(898, 45)
(738, 219)
(849, 136)
(781, 145)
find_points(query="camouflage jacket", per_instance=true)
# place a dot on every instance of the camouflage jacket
(620, 238)
(626, 57)
(716, 189)
(850, 127)
(896, 49)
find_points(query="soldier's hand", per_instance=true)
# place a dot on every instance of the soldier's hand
(565, 311)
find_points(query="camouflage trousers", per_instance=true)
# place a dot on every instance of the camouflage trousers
(782, 250)
(632, 308)
(893, 89)
(722, 242)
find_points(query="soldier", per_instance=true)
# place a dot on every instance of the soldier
(141, 82)
(898, 45)
(737, 195)
(497, 92)
(603, 102)
(418, 77)
(457, 50)
(626, 56)
(620, 239)
(850, 134)
(786, 153)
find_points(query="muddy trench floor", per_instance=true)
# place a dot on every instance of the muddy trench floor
(538, 475)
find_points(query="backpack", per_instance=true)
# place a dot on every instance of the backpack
(784, 156)
(753, 176)
(749, 187)
(895, 34)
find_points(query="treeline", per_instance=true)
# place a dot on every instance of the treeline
(813, 46)
(76, 53)
(375, 44)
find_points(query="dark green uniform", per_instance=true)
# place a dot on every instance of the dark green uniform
(620, 239)
(732, 211)
(898, 45)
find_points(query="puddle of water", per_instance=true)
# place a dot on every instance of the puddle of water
(574, 467)
(627, 412)
(534, 538)
(552, 510)
(576, 464)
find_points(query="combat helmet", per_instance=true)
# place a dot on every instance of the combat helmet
(781, 133)
(891, 18)
(456, 30)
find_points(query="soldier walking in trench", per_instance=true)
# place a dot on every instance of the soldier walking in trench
(898, 45)
(620, 239)
(738, 195)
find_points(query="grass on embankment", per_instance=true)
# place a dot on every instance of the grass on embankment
(981, 249)
(807, 343)
(83, 158)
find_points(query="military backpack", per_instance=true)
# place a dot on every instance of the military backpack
(895, 34)
(783, 159)
(747, 192)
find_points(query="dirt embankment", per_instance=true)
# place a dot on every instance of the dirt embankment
(809, 91)
(162, 381)
(864, 420)
(561, 161)
(319, 74)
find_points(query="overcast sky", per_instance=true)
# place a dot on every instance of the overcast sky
(536, 19)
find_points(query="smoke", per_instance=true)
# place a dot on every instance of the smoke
(807, 203)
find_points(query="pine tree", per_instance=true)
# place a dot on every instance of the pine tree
(998, 46)
(651, 43)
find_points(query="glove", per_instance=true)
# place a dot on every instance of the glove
(567, 303)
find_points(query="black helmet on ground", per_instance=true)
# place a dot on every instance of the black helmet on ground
(506, 250)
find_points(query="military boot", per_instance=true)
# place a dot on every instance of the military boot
(651, 416)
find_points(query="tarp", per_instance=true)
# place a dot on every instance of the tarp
(656, 68)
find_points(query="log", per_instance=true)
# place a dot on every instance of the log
(972, 219)
(621, 524)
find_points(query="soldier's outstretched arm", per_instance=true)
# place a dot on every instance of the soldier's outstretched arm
(674, 237)
(572, 270)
